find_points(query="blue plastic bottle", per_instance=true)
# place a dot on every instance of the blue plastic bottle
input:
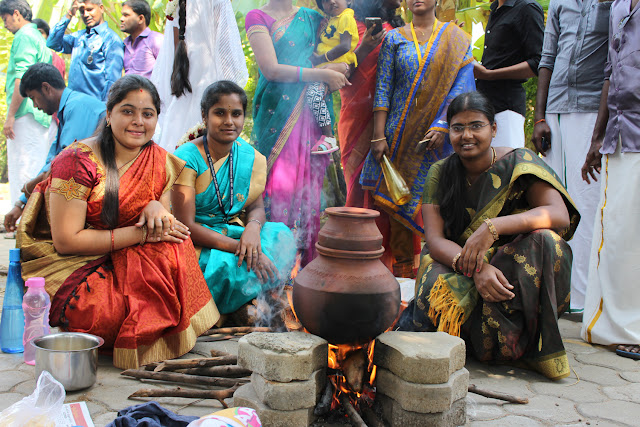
(12, 323)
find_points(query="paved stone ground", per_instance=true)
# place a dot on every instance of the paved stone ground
(603, 390)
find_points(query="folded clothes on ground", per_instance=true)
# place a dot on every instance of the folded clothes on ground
(150, 414)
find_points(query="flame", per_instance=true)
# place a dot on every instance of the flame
(296, 267)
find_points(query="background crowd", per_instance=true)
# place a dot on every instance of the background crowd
(408, 94)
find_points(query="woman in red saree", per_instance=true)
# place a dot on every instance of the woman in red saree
(84, 230)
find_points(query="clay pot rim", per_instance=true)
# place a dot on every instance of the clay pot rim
(351, 212)
(356, 255)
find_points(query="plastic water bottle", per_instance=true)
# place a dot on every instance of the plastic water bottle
(12, 323)
(36, 305)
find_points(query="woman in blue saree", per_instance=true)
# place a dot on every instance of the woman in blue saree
(283, 37)
(219, 196)
(421, 68)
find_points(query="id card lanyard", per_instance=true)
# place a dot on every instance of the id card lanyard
(215, 180)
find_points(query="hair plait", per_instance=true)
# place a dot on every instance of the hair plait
(180, 76)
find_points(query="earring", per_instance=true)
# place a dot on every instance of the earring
(108, 124)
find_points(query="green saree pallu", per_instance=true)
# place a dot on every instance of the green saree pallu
(523, 330)
(232, 286)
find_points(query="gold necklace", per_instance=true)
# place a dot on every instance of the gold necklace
(130, 161)
(494, 157)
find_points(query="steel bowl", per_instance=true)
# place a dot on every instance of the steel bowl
(71, 357)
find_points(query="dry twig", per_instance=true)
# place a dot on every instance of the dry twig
(174, 365)
(236, 330)
(218, 395)
(183, 378)
(354, 417)
(496, 395)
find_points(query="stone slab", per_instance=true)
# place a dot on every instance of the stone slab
(292, 395)
(423, 398)
(246, 396)
(283, 357)
(420, 357)
(394, 415)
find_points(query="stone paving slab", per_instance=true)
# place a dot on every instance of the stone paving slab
(604, 392)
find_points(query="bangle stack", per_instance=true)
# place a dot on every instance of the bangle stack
(454, 264)
(145, 232)
(492, 229)
(378, 140)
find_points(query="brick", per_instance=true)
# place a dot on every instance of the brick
(283, 357)
(420, 357)
(246, 396)
(396, 416)
(423, 398)
(292, 395)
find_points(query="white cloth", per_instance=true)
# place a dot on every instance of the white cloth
(26, 153)
(215, 53)
(510, 132)
(612, 306)
(570, 142)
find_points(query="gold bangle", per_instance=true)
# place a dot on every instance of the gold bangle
(145, 232)
(378, 140)
(454, 264)
(492, 229)
(326, 57)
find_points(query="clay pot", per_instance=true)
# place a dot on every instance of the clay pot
(347, 296)
(351, 229)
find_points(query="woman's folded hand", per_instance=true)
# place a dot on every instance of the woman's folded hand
(492, 285)
(250, 246)
(179, 233)
(266, 271)
(160, 222)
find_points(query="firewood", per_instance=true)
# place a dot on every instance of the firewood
(236, 330)
(220, 353)
(215, 338)
(183, 378)
(324, 405)
(218, 395)
(354, 368)
(174, 365)
(371, 418)
(496, 395)
(228, 371)
(354, 417)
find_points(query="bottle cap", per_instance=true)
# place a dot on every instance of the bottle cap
(14, 255)
(35, 282)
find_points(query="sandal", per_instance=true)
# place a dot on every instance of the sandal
(325, 145)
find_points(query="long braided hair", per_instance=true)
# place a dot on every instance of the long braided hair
(180, 83)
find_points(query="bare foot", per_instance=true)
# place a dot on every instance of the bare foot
(630, 348)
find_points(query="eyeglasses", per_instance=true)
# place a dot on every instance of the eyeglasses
(473, 127)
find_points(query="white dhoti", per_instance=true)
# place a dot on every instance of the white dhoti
(612, 305)
(510, 132)
(570, 142)
(26, 153)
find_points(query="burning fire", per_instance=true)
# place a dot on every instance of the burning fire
(352, 372)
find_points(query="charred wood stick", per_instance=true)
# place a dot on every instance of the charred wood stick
(371, 417)
(174, 365)
(218, 395)
(183, 378)
(220, 353)
(229, 371)
(214, 338)
(236, 330)
(354, 417)
(324, 405)
(496, 395)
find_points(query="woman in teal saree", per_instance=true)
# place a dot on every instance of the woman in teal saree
(495, 269)
(219, 196)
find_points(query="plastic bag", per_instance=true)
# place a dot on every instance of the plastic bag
(40, 409)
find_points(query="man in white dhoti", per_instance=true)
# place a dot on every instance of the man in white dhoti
(612, 305)
(26, 128)
(570, 78)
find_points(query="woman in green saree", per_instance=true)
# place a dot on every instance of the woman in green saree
(495, 269)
